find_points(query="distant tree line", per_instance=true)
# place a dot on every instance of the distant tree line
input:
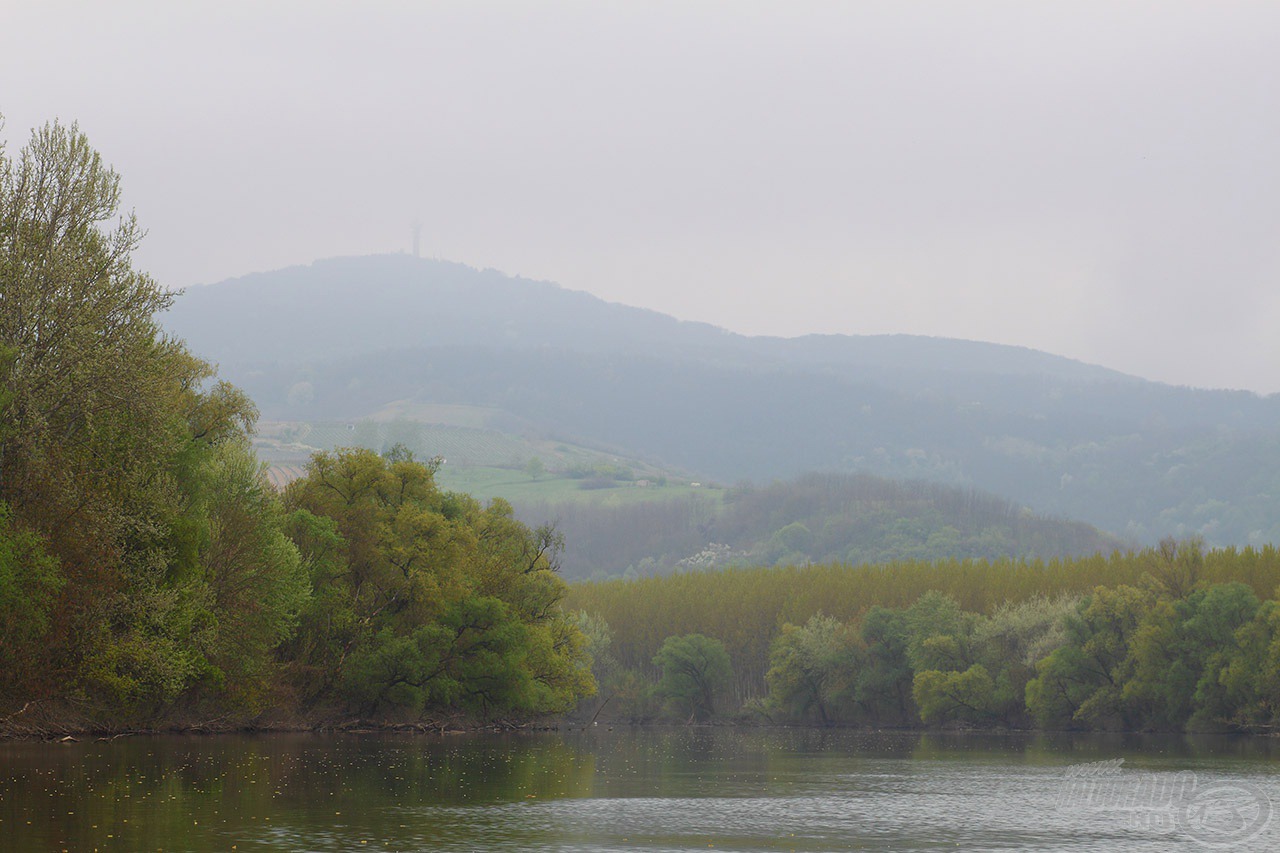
(1168, 639)
(148, 573)
(814, 518)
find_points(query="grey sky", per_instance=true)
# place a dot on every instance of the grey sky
(1099, 180)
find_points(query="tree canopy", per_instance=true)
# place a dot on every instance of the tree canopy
(149, 573)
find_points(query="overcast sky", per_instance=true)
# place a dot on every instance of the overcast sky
(1098, 180)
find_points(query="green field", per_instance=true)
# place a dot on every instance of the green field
(483, 462)
(519, 487)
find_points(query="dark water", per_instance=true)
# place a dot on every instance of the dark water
(647, 789)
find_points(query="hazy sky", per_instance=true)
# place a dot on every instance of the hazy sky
(1099, 180)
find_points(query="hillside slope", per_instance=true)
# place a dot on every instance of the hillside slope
(815, 518)
(344, 339)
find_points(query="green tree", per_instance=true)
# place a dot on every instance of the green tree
(808, 667)
(29, 583)
(1250, 678)
(946, 696)
(949, 683)
(1175, 568)
(1011, 641)
(1082, 682)
(1178, 654)
(252, 582)
(790, 544)
(695, 671)
(606, 672)
(425, 600)
(882, 685)
(111, 431)
(89, 376)
(939, 634)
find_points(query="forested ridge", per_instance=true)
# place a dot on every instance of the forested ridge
(150, 577)
(346, 338)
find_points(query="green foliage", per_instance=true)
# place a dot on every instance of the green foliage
(1091, 643)
(470, 659)
(1012, 640)
(939, 633)
(945, 696)
(129, 464)
(1175, 567)
(148, 573)
(1179, 653)
(882, 684)
(1250, 679)
(8, 355)
(253, 581)
(808, 667)
(820, 518)
(29, 583)
(598, 638)
(695, 671)
(424, 600)
(1082, 682)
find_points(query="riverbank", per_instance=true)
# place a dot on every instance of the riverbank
(36, 724)
(336, 725)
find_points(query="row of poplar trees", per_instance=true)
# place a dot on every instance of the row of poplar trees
(148, 573)
(1169, 638)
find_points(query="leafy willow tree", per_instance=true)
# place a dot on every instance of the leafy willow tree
(251, 582)
(1250, 678)
(610, 681)
(811, 666)
(695, 671)
(1011, 641)
(950, 681)
(882, 684)
(1082, 682)
(424, 600)
(89, 378)
(1179, 653)
(978, 672)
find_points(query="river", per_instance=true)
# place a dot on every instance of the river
(648, 789)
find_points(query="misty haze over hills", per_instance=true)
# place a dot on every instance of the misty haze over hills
(389, 297)
(343, 339)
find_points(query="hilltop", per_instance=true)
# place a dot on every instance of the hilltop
(386, 336)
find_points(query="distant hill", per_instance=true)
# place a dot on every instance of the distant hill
(815, 518)
(357, 306)
(346, 339)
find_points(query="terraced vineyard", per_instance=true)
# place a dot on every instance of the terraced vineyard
(282, 475)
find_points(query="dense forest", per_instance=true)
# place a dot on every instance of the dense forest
(150, 576)
(1171, 638)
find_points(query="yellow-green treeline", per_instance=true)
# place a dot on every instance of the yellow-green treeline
(1166, 638)
(149, 575)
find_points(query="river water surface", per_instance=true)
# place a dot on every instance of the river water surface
(643, 790)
